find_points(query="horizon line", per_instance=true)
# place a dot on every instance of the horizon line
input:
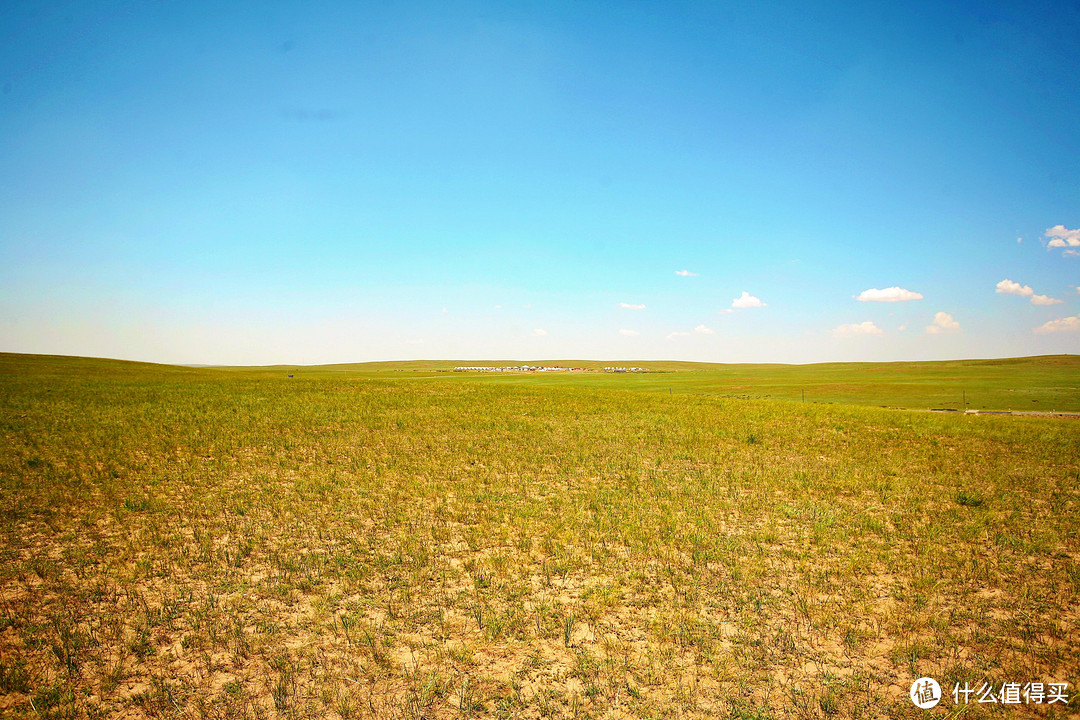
(644, 363)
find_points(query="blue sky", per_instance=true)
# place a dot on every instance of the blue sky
(338, 182)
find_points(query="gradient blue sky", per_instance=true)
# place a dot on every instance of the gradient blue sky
(336, 182)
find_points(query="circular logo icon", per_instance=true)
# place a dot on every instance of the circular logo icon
(925, 692)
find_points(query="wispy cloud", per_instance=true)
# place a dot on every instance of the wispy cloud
(892, 294)
(685, 273)
(698, 330)
(746, 300)
(1068, 324)
(629, 333)
(1008, 287)
(539, 332)
(1060, 236)
(631, 306)
(943, 323)
(856, 329)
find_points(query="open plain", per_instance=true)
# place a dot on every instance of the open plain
(402, 541)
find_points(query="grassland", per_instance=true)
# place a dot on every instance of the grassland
(397, 542)
(1034, 384)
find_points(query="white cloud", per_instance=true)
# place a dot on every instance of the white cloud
(746, 300)
(498, 307)
(685, 273)
(629, 333)
(445, 310)
(678, 334)
(539, 332)
(902, 328)
(1069, 324)
(702, 330)
(725, 311)
(1019, 240)
(1061, 236)
(1045, 300)
(1008, 287)
(943, 323)
(854, 329)
(1071, 253)
(631, 306)
(892, 294)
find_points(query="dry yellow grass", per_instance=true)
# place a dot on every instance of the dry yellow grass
(181, 543)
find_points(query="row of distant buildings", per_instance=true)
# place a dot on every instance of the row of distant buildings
(539, 368)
